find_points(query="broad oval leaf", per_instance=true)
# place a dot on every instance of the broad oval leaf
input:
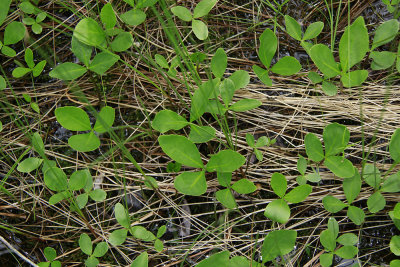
(105, 119)
(395, 245)
(4, 10)
(352, 187)
(84, 142)
(329, 88)
(240, 78)
(262, 74)
(376, 202)
(340, 166)
(279, 184)
(201, 134)
(78, 179)
(49, 252)
(394, 146)
(181, 149)
(226, 198)
(244, 186)
(133, 17)
(372, 175)
(98, 195)
(313, 30)
(278, 243)
(332, 204)
(102, 62)
(354, 78)
(347, 252)
(326, 259)
(225, 161)
(219, 62)
(227, 88)
(55, 179)
(191, 183)
(286, 66)
(141, 233)
(268, 46)
(67, 71)
(245, 105)
(166, 120)
(122, 216)
(278, 211)
(85, 244)
(302, 165)
(328, 240)
(89, 32)
(118, 237)
(141, 260)
(293, 28)
(239, 261)
(382, 60)
(314, 149)
(82, 51)
(385, 33)
(298, 194)
(356, 215)
(100, 250)
(336, 137)
(182, 12)
(14, 32)
(200, 98)
(224, 178)
(392, 183)
(107, 16)
(122, 42)
(19, 72)
(323, 58)
(348, 239)
(200, 29)
(29, 164)
(38, 144)
(203, 8)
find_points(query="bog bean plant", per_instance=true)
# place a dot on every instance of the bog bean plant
(203, 152)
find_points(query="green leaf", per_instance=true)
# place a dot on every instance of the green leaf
(354, 78)
(182, 12)
(102, 62)
(85, 244)
(158, 245)
(161, 61)
(395, 263)
(376, 202)
(392, 184)
(107, 16)
(314, 77)
(340, 166)
(245, 105)
(181, 149)
(3, 83)
(166, 120)
(141, 233)
(298, 194)
(347, 252)
(302, 165)
(19, 72)
(336, 137)
(36, 28)
(225, 161)
(328, 240)
(200, 99)
(278, 243)
(118, 237)
(145, 3)
(37, 143)
(54, 199)
(82, 51)
(73, 118)
(151, 183)
(224, 178)
(219, 62)
(133, 17)
(348, 239)
(326, 259)
(37, 70)
(286, 66)
(122, 216)
(100, 249)
(203, 8)
(82, 200)
(77, 180)
(89, 32)
(352, 187)
(14, 32)
(104, 120)
(27, 7)
(161, 231)
(382, 60)
(29, 58)
(313, 30)
(191, 183)
(67, 71)
(55, 179)
(244, 186)
(313, 147)
(98, 195)
(141, 260)
(1, 126)
(278, 184)
(84, 142)
(8, 51)
(218, 259)
(267, 50)
(5, 6)
(201, 134)
(35, 107)
(293, 28)
(323, 58)
(49, 252)
(371, 175)
(40, 17)
(240, 78)
(356, 215)
(262, 74)
(215, 107)
(385, 33)
(262, 141)
(332, 204)
(174, 167)
(29, 164)
(239, 261)
(226, 198)
(200, 29)
(329, 88)
(227, 88)
(122, 42)
(278, 211)
(313, 177)
(394, 146)
(354, 44)
(395, 245)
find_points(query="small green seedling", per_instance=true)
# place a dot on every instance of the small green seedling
(33, 105)
(163, 63)
(278, 210)
(173, 167)
(14, 32)
(75, 119)
(262, 141)
(136, 15)
(202, 9)
(393, 7)
(85, 243)
(30, 9)
(277, 244)
(50, 254)
(286, 66)
(225, 196)
(36, 69)
(328, 239)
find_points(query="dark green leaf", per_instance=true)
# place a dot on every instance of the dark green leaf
(382, 60)
(201, 134)
(5, 6)
(224, 178)
(218, 259)
(85, 244)
(347, 252)
(122, 42)
(133, 17)
(55, 179)
(262, 74)
(82, 51)
(394, 146)
(385, 33)
(328, 240)
(14, 32)
(49, 252)
(227, 91)
(356, 215)
(200, 99)
(245, 105)
(352, 187)
(102, 62)
(371, 175)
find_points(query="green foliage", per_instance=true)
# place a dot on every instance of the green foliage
(50, 254)
(278, 243)
(13, 33)
(36, 69)
(261, 142)
(85, 243)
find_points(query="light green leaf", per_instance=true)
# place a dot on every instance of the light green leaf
(5, 6)
(348, 239)
(262, 74)
(122, 216)
(278, 243)
(395, 263)
(84, 142)
(203, 8)
(293, 28)
(100, 249)
(392, 184)
(37, 143)
(329, 88)
(133, 17)
(226, 198)
(394, 146)
(151, 183)
(262, 141)
(104, 120)
(239, 261)
(78, 179)
(37, 70)
(323, 58)
(347, 252)
(122, 42)
(227, 88)
(352, 187)
(286, 66)
(268, 46)
(27, 7)
(36, 28)
(29, 164)
(225, 161)
(89, 32)
(313, 147)
(200, 29)
(8, 51)
(166, 120)
(219, 62)
(244, 186)
(332, 204)
(85, 244)
(49, 252)
(313, 30)
(385, 33)
(54, 199)
(40, 17)
(141, 260)
(302, 165)
(67, 71)
(3, 83)
(102, 62)
(82, 51)
(107, 16)
(298, 194)
(161, 231)
(340, 166)
(356, 215)
(141, 233)
(220, 259)
(98, 195)
(73, 118)
(395, 245)
(376, 202)
(19, 72)
(29, 58)
(354, 78)
(191, 183)
(278, 211)
(278, 184)
(201, 134)
(158, 245)
(118, 237)
(245, 105)
(354, 44)
(181, 149)
(371, 175)
(336, 137)
(161, 61)
(145, 3)
(200, 99)
(55, 179)
(382, 60)
(224, 178)
(35, 107)
(328, 240)
(314, 77)
(240, 78)
(14, 32)
(182, 12)
(313, 177)
(326, 259)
